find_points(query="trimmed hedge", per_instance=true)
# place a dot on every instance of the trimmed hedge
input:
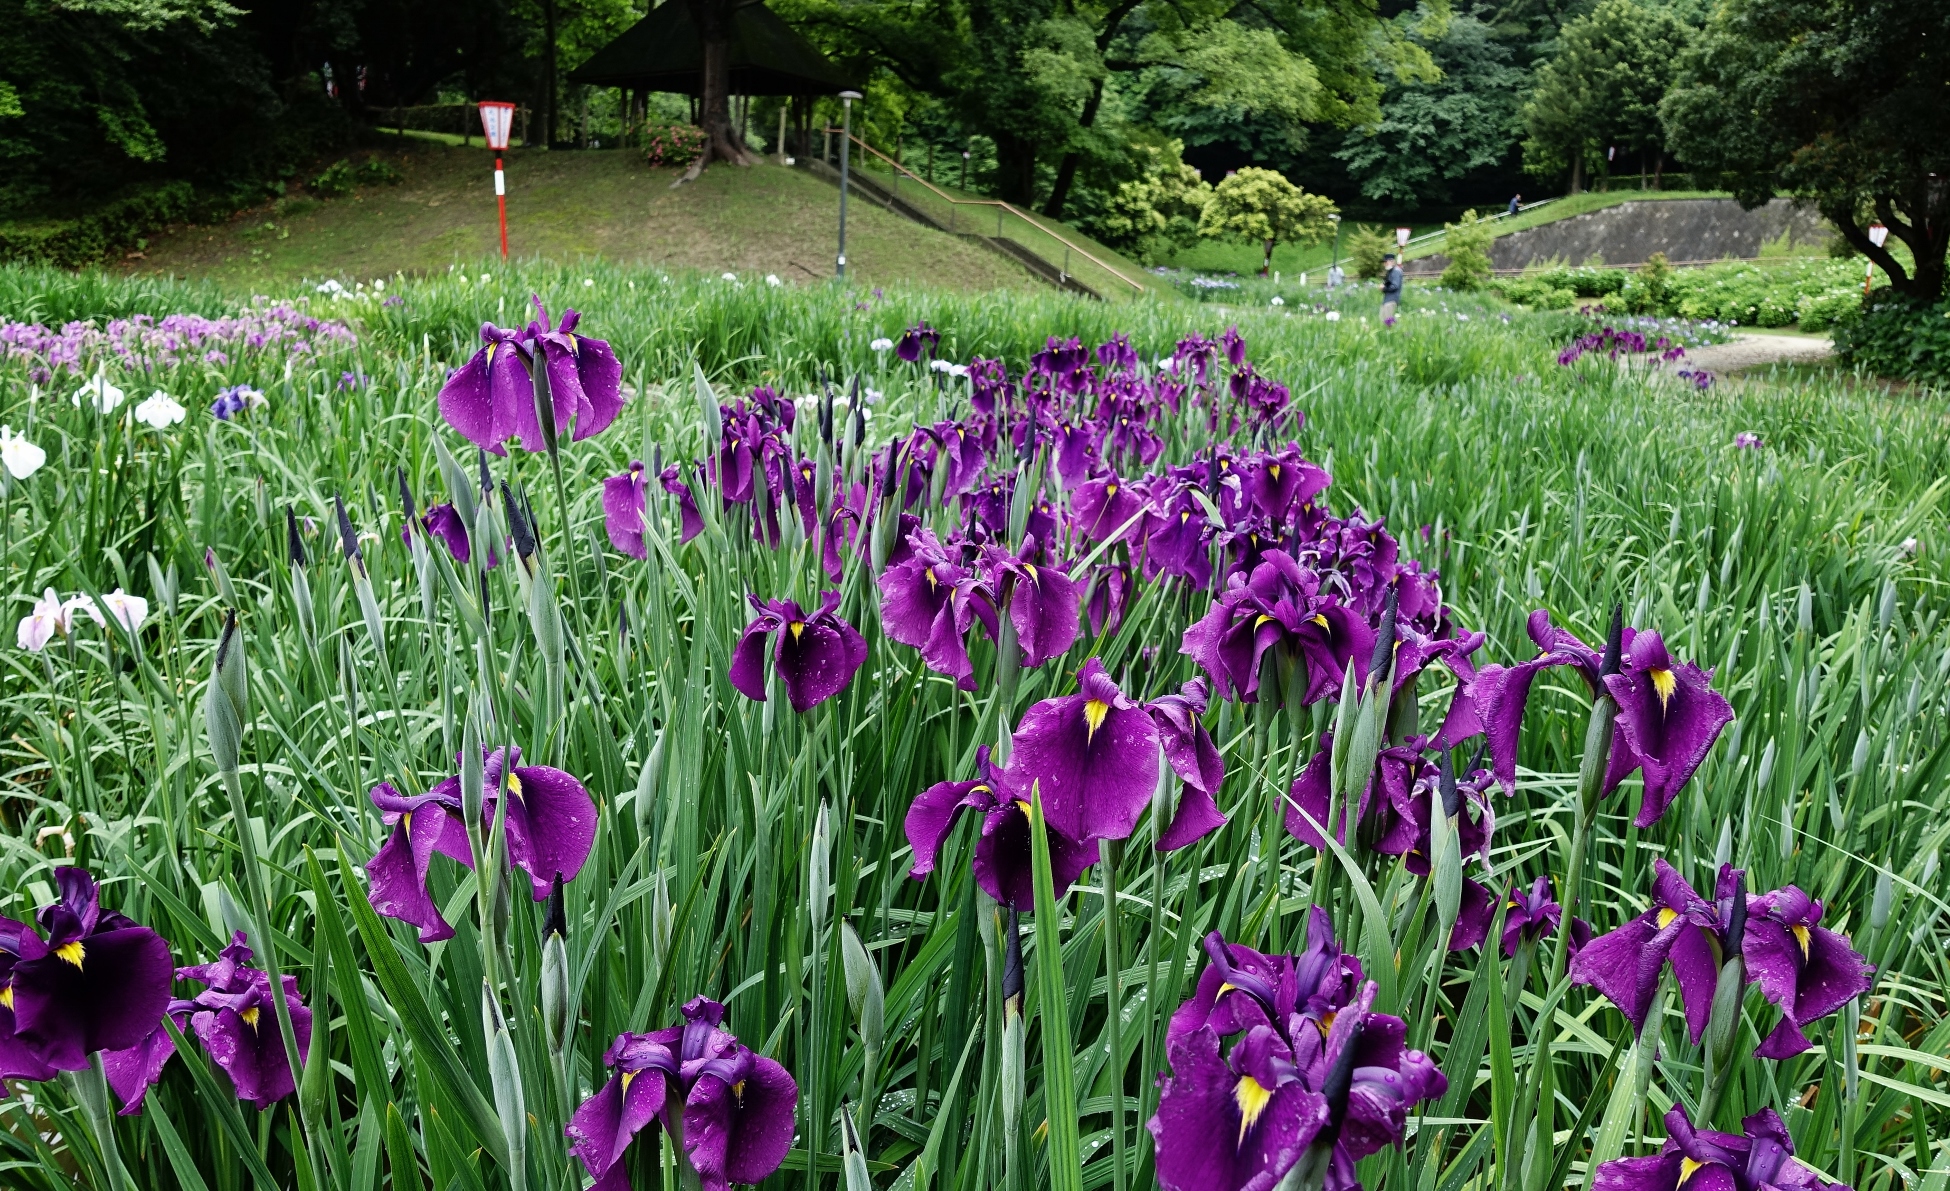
(90, 238)
(1891, 335)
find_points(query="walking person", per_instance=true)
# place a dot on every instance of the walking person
(1391, 288)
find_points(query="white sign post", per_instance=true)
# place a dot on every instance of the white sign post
(497, 121)
(1878, 236)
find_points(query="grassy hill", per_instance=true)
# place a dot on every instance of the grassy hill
(565, 205)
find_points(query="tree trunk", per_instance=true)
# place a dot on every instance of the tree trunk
(548, 73)
(1266, 269)
(1577, 173)
(1066, 173)
(713, 21)
(1015, 169)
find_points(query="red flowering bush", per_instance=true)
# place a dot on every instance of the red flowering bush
(675, 145)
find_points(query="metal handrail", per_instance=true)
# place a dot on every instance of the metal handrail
(1425, 237)
(997, 203)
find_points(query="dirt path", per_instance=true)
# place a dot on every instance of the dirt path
(1757, 351)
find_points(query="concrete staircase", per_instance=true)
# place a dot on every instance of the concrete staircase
(865, 188)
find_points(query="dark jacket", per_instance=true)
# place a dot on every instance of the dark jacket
(1391, 284)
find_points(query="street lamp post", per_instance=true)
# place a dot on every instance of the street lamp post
(1878, 236)
(846, 146)
(497, 121)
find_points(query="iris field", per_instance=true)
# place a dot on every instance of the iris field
(1180, 619)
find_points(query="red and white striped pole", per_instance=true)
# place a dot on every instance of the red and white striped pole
(497, 121)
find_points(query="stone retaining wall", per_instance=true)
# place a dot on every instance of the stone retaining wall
(1695, 230)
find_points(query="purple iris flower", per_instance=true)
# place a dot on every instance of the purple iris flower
(1668, 718)
(1681, 926)
(1111, 588)
(551, 828)
(1530, 917)
(1802, 966)
(1759, 1158)
(237, 1023)
(233, 401)
(691, 521)
(1281, 480)
(1500, 693)
(1094, 756)
(1192, 755)
(1280, 605)
(585, 379)
(1312, 1066)
(1102, 507)
(929, 601)
(623, 501)
(1076, 450)
(1233, 1122)
(1241, 987)
(490, 399)
(914, 339)
(816, 655)
(734, 1107)
(1002, 856)
(97, 981)
(1042, 602)
(441, 521)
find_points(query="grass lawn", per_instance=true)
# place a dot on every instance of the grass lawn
(567, 205)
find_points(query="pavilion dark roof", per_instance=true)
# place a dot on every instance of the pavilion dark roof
(662, 52)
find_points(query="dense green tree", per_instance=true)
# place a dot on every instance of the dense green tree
(1159, 210)
(95, 96)
(1433, 133)
(1048, 83)
(1602, 89)
(1843, 103)
(1262, 206)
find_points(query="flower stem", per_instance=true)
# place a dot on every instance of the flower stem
(1114, 1004)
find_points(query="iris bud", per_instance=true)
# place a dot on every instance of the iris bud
(649, 781)
(222, 718)
(708, 404)
(864, 994)
(504, 1072)
(819, 877)
(1884, 901)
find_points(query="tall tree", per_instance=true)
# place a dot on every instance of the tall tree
(721, 141)
(1433, 133)
(1037, 77)
(1602, 89)
(1843, 103)
(1263, 207)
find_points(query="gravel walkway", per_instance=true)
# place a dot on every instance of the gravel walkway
(1757, 351)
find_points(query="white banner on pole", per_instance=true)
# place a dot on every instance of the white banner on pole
(497, 122)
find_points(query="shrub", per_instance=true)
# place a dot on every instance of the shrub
(672, 145)
(1535, 291)
(1156, 213)
(337, 181)
(1820, 312)
(1468, 246)
(1366, 245)
(377, 171)
(1891, 335)
(91, 237)
(1587, 281)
